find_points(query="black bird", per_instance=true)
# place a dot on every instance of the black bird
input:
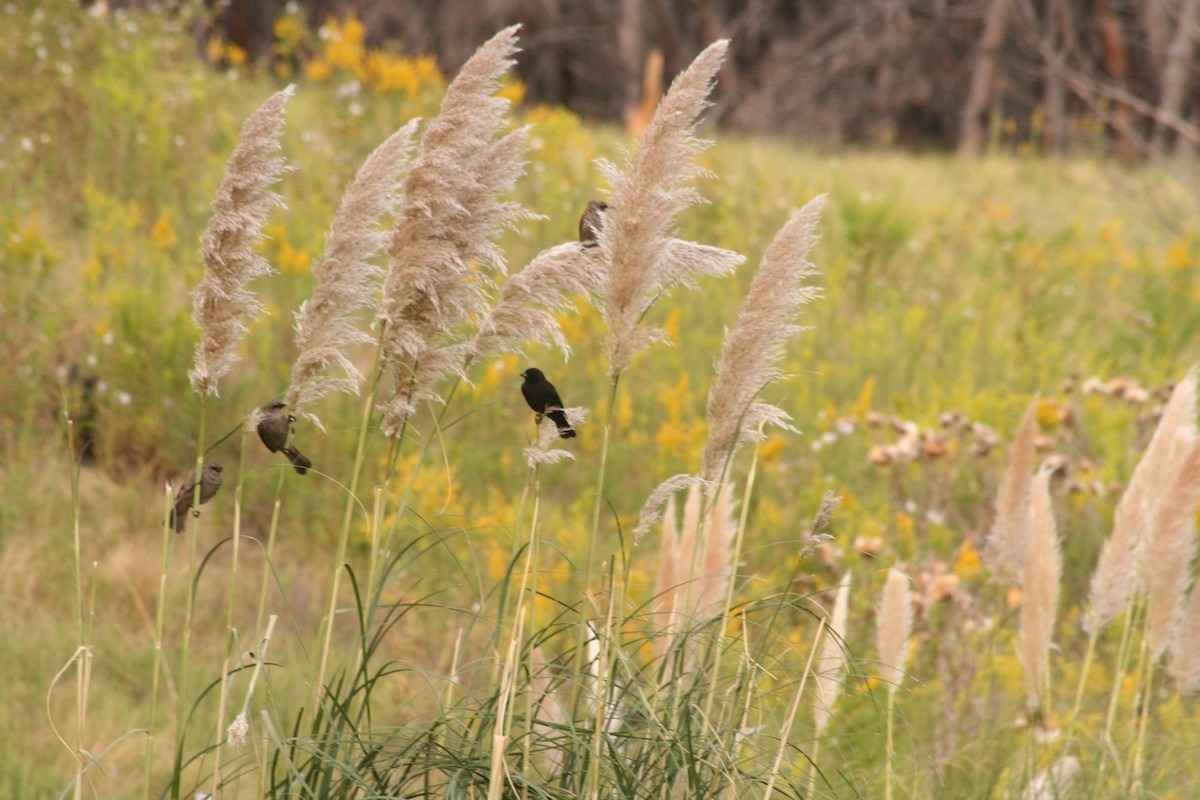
(543, 398)
(591, 222)
(273, 429)
(209, 483)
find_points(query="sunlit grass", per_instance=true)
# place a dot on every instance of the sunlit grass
(954, 290)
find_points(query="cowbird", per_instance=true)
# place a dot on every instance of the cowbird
(591, 222)
(543, 398)
(209, 483)
(273, 428)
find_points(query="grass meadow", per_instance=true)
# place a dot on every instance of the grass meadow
(505, 630)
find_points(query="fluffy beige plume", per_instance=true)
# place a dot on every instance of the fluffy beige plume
(1040, 585)
(441, 253)
(655, 185)
(1169, 546)
(346, 280)
(695, 561)
(530, 300)
(832, 661)
(754, 345)
(542, 451)
(652, 509)
(665, 579)
(1185, 645)
(715, 567)
(1008, 541)
(1117, 572)
(893, 626)
(221, 306)
(679, 539)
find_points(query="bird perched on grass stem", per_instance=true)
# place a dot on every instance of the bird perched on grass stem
(210, 482)
(591, 222)
(543, 398)
(273, 428)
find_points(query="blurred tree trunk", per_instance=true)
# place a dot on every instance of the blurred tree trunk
(1112, 36)
(983, 78)
(1156, 22)
(629, 51)
(1176, 73)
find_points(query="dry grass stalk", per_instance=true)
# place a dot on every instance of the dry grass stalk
(754, 345)
(221, 306)
(346, 280)
(1039, 599)
(531, 299)
(1008, 541)
(832, 661)
(655, 185)
(894, 620)
(1170, 547)
(441, 253)
(1117, 572)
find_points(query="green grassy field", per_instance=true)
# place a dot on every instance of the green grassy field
(953, 291)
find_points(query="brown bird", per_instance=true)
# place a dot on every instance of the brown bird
(209, 484)
(274, 428)
(591, 222)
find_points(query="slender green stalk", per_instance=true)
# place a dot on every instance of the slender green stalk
(785, 732)
(602, 691)
(581, 637)
(889, 774)
(232, 644)
(344, 537)
(83, 661)
(159, 621)
(218, 751)
(237, 534)
(739, 537)
(1083, 676)
(531, 580)
(189, 609)
(1142, 709)
(268, 559)
(814, 758)
(609, 414)
(377, 506)
(500, 734)
(1131, 612)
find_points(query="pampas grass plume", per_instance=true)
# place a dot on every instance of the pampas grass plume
(1185, 645)
(832, 661)
(1040, 586)
(441, 249)
(754, 345)
(1118, 570)
(894, 621)
(655, 185)
(346, 280)
(221, 306)
(1170, 547)
(1008, 541)
(531, 299)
